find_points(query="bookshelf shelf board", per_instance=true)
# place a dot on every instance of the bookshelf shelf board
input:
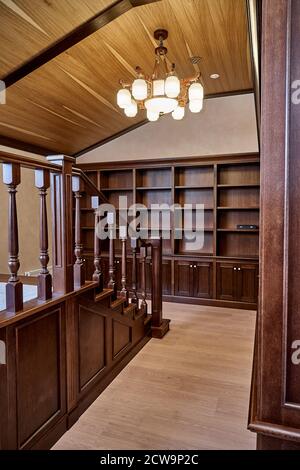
(195, 187)
(242, 230)
(153, 188)
(248, 208)
(116, 189)
(225, 186)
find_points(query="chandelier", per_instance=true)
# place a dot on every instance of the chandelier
(163, 92)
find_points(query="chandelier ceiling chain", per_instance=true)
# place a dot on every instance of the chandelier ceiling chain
(162, 92)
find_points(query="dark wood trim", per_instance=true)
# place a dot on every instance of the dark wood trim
(25, 146)
(167, 162)
(278, 431)
(145, 121)
(84, 30)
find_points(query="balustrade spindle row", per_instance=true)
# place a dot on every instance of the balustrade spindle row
(14, 287)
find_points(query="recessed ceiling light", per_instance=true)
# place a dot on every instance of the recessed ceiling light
(215, 76)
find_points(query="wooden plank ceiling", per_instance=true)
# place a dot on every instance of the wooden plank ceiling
(69, 103)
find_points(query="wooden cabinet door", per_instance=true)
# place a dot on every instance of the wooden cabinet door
(184, 278)
(203, 280)
(226, 281)
(247, 283)
(166, 277)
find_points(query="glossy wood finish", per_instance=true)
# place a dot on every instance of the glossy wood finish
(61, 198)
(112, 11)
(124, 291)
(42, 182)
(61, 351)
(228, 186)
(274, 410)
(64, 126)
(79, 266)
(14, 287)
(98, 273)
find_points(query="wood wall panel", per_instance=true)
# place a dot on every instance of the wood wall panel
(40, 376)
(122, 337)
(92, 360)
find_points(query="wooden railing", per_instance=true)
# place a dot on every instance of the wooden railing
(68, 183)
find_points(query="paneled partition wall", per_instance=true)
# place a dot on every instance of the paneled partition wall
(224, 270)
(60, 350)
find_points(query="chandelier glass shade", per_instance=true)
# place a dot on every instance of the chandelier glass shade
(162, 92)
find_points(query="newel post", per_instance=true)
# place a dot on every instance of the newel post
(160, 326)
(61, 199)
(14, 287)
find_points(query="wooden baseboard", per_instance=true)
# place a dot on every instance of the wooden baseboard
(209, 302)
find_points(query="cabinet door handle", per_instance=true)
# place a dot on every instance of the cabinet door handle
(234, 268)
(191, 265)
(239, 269)
(195, 266)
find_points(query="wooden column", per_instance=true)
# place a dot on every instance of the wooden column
(275, 391)
(111, 270)
(14, 287)
(160, 326)
(124, 291)
(42, 182)
(98, 274)
(134, 299)
(61, 192)
(143, 256)
(79, 266)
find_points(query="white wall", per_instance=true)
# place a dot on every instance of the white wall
(226, 125)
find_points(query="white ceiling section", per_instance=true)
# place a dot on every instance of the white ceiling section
(226, 125)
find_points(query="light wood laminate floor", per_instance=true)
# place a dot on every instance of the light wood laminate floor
(187, 391)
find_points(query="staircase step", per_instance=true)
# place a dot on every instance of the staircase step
(103, 295)
(117, 303)
(129, 311)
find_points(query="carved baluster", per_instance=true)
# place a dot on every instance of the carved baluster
(143, 256)
(79, 266)
(14, 287)
(98, 274)
(124, 291)
(134, 299)
(112, 270)
(42, 182)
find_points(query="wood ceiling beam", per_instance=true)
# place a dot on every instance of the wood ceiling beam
(78, 34)
(25, 146)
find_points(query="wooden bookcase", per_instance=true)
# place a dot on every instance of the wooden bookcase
(225, 270)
